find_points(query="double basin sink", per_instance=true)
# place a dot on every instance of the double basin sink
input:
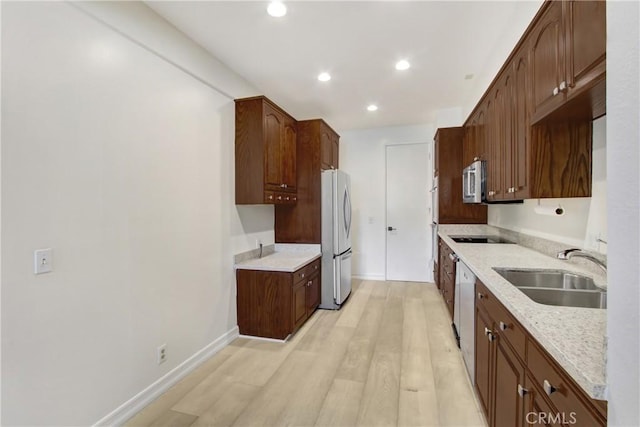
(556, 287)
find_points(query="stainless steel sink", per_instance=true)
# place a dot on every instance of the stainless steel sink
(556, 287)
(554, 279)
(567, 298)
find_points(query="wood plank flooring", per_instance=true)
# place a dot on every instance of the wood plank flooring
(387, 358)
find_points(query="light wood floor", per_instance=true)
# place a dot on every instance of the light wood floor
(387, 358)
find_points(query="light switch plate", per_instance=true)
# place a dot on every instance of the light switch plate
(43, 261)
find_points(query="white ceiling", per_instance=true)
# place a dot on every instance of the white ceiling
(358, 42)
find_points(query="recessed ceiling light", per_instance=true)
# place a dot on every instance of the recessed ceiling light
(324, 77)
(277, 9)
(372, 107)
(402, 65)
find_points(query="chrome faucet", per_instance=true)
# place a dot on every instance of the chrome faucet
(567, 254)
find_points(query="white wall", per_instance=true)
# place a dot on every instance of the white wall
(362, 155)
(623, 158)
(117, 152)
(585, 219)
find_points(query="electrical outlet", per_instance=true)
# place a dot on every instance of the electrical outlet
(258, 243)
(162, 354)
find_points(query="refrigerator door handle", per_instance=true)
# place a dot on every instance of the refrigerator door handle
(346, 207)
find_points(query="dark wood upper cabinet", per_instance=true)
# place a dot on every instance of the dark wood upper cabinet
(317, 146)
(448, 161)
(538, 111)
(547, 59)
(474, 147)
(329, 148)
(571, 35)
(586, 37)
(521, 127)
(265, 153)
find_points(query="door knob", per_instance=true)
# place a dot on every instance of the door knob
(391, 228)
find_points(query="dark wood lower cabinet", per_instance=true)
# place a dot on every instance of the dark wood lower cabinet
(508, 406)
(274, 304)
(447, 275)
(484, 359)
(537, 411)
(518, 383)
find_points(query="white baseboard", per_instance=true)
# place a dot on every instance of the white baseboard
(134, 405)
(368, 277)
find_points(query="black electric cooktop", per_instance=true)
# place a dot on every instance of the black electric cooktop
(479, 239)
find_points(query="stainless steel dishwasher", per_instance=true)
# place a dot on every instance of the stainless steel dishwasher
(464, 315)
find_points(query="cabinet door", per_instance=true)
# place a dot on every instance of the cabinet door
(521, 136)
(288, 155)
(313, 294)
(494, 153)
(299, 304)
(506, 142)
(436, 155)
(468, 144)
(484, 360)
(547, 59)
(326, 149)
(537, 411)
(335, 151)
(508, 406)
(480, 133)
(273, 134)
(586, 37)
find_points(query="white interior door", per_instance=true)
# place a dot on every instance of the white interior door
(408, 228)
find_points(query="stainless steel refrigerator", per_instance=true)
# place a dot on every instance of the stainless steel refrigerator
(336, 239)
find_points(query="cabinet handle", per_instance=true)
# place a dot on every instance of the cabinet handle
(302, 275)
(279, 197)
(548, 388)
(492, 193)
(315, 267)
(503, 326)
(475, 159)
(522, 391)
(480, 296)
(271, 197)
(309, 283)
(563, 86)
(555, 91)
(286, 198)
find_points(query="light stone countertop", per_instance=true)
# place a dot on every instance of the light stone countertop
(284, 260)
(575, 337)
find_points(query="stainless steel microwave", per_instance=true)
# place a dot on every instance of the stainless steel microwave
(473, 182)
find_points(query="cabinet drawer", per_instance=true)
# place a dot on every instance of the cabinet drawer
(485, 299)
(557, 388)
(509, 329)
(280, 198)
(306, 272)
